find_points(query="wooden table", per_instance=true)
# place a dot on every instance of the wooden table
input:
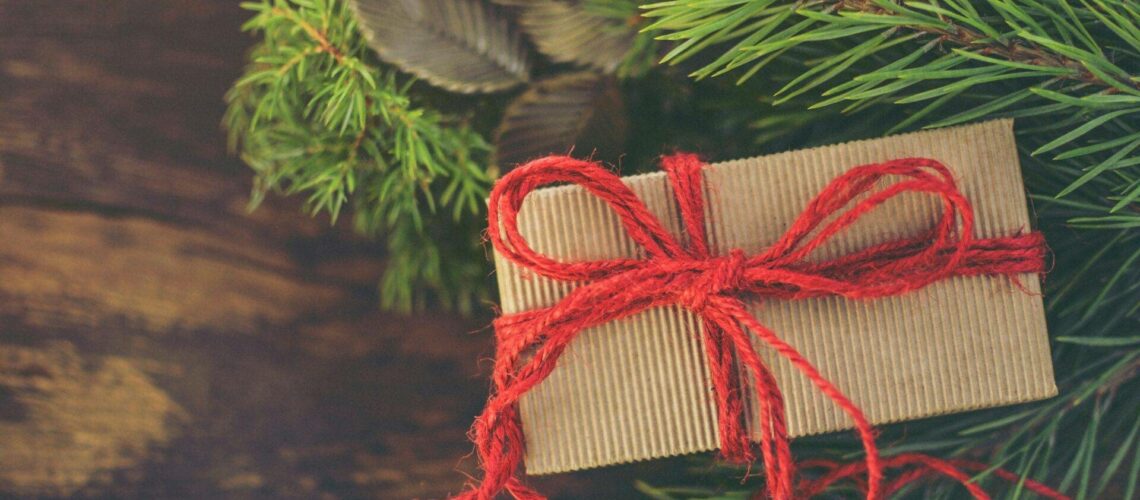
(159, 340)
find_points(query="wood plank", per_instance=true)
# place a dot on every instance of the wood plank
(156, 339)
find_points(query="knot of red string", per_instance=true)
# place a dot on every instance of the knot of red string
(684, 272)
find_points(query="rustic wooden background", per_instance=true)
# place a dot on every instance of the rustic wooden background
(159, 341)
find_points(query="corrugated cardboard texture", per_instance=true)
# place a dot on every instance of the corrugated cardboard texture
(639, 388)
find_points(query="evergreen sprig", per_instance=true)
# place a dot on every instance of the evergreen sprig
(1056, 59)
(317, 114)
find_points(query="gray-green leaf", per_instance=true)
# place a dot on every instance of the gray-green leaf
(461, 45)
(582, 111)
(571, 32)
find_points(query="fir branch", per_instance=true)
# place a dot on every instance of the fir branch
(1038, 59)
(958, 24)
(316, 114)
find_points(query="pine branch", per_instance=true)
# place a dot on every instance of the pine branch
(1038, 59)
(316, 114)
(991, 43)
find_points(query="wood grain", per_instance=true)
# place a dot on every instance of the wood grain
(157, 340)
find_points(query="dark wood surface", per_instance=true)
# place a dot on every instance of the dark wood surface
(157, 340)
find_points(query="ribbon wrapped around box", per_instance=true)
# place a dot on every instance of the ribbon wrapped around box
(642, 387)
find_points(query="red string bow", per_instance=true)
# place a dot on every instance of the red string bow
(714, 288)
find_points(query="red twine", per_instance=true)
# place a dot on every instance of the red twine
(714, 288)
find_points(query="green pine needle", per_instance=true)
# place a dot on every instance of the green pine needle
(317, 115)
(1084, 58)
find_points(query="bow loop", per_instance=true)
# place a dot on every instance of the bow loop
(938, 251)
(640, 224)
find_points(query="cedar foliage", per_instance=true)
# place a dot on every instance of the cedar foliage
(320, 114)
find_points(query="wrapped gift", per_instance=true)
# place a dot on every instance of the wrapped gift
(640, 387)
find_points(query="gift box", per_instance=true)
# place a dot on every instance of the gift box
(639, 388)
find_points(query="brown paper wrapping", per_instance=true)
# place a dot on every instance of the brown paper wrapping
(639, 388)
